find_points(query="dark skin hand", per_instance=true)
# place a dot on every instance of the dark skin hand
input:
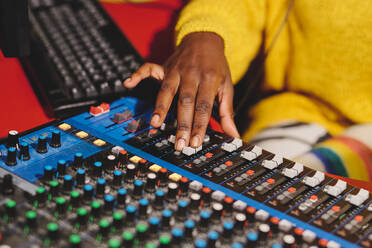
(198, 71)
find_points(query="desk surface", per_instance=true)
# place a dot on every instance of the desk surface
(149, 26)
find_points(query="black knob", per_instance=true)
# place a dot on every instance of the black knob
(154, 225)
(122, 196)
(24, 153)
(56, 139)
(53, 232)
(123, 157)
(10, 208)
(41, 195)
(31, 219)
(143, 205)
(13, 137)
(82, 216)
(184, 186)
(217, 211)
(101, 186)
(172, 192)
(150, 183)
(95, 209)
(195, 202)
(263, 231)
(159, 199)
(54, 188)
(138, 189)
(42, 145)
(162, 176)
(206, 196)
(75, 198)
(204, 220)
(117, 220)
(88, 192)
(11, 158)
(109, 203)
(61, 205)
(239, 222)
(130, 213)
(97, 169)
(274, 224)
(8, 187)
(212, 239)
(227, 205)
(165, 219)
(142, 167)
(110, 162)
(117, 180)
(181, 210)
(189, 227)
(78, 160)
(104, 227)
(130, 173)
(288, 241)
(68, 183)
(227, 230)
(80, 177)
(48, 173)
(61, 168)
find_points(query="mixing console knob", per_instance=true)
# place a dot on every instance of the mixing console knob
(7, 186)
(153, 225)
(138, 189)
(195, 199)
(56, 139)
(54, 188)
(177, 235)
(122, 196)
(288, 241)
(165, 219)
(80, 177)
(78, 160)
(88, 192)
(101, 186)
(239, 222)
(150, 183)
(206, 196)
(104, 227)
(274, 224)
(117, 220)
(95, 209)
(116, 181)
(263, 231)
(31, 219)
(141, 231)
(212, 239)
(130, 213)
(252, 239)
(24, 153)
(184, 186)
(82, 216)
(162, 176)
(67, 182)
(10, 208)
(110, 162)
(97, 169)
(143, 205)
(42, 145)
(159, 199)
(227, 205)
(75, 241)
(217, 211)
(41, 195)
(172, 192)
(130, 173)
(109, 203)
(61, 205)
(48, 173)
(11, 158)
(200, 243)
(75, 198)
(204, 220)
(250, 213)
(181, 210)
(189, 228)
(123, 157)
(128, 239)
(227, 230)
(142, 165)
(61, 168)
(276, 245)
(53, 232)
(13, 137)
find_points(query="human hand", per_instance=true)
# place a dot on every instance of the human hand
(198, 71)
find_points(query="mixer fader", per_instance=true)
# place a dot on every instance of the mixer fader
(105, 178)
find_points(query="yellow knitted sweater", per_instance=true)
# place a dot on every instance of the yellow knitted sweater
(321, 64)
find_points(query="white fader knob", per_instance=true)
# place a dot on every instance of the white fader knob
(296, 169)
(252, 154)
(235, 144)
(359, 198)
(315, 180)
(336, 189)
(273, 163)
(190, 151)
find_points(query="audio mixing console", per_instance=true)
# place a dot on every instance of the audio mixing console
(107, 179)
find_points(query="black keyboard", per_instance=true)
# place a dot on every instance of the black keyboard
(79, 56)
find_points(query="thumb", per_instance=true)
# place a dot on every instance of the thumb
(226, 96)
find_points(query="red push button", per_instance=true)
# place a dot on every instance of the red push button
(208, 154)
(291, 190)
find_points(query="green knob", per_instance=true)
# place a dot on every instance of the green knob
(164, 239)
(75, 239)
(114, 243)
(127, 236)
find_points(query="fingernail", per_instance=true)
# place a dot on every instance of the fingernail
(195, 141)
(180, 144)
(127, 80)
(155, 119)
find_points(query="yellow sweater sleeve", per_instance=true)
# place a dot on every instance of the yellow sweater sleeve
(239, 22)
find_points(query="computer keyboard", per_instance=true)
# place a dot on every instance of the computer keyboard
(79, 56)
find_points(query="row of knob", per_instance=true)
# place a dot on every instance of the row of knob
(24, 152)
